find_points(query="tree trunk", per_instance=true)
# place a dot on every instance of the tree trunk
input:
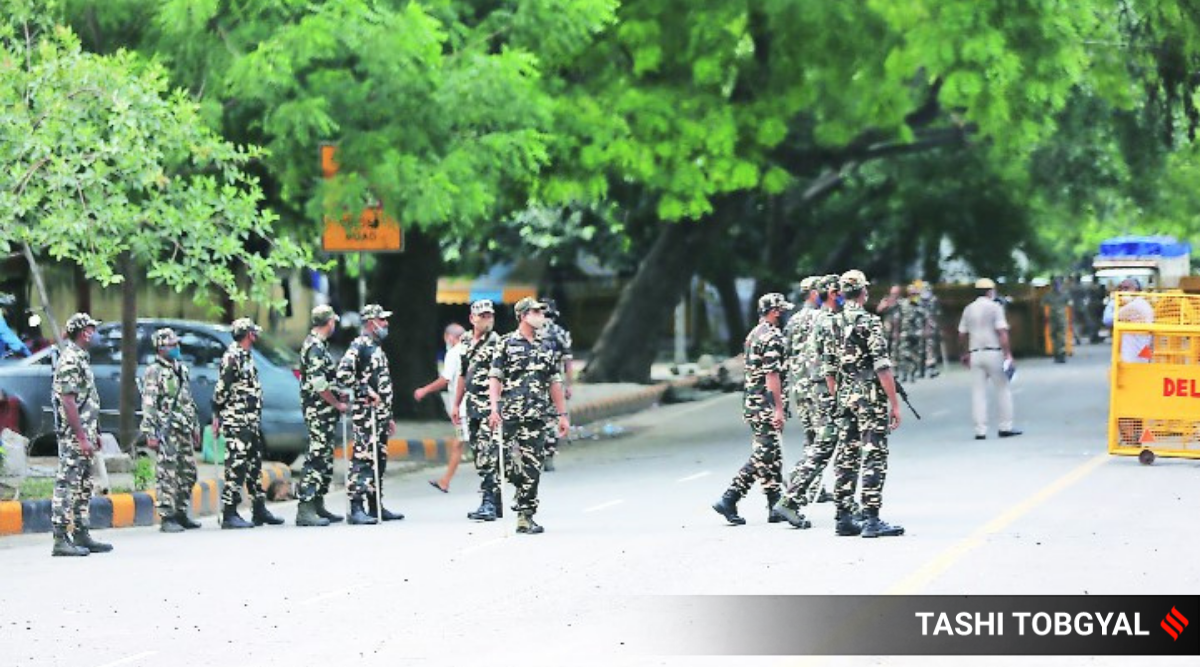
(39, 283)
(127, 424)
(731, 305)
(629, 342)
(406, 284)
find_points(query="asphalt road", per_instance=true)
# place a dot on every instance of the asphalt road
(628, 520)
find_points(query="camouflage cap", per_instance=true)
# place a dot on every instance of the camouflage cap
(808, 284)
(321, 315)
(853, 280)
(374, 311)
(80, 321)
(828, 283)
(164, 337)
(527, 304)
(483, 306)
(243, 326)
(774, 301)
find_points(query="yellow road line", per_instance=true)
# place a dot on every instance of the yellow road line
(916, 581)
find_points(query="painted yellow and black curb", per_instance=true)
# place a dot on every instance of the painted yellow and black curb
(120, 510)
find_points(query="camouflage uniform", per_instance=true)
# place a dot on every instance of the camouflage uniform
(911, 346)
(365, 368)
(527, 370)
(317, 375)
(890, 317)
(932, 337)
(796, 335)
(73, 484)
(804, 483)
(765, 352)
(169, 415)
(557, 340)
(237, 400)
(476, 367)
(863, 408)
(1057, 301)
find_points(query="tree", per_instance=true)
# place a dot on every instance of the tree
(107, 167)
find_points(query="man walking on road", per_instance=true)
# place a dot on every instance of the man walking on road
(762, 409)
(796, 336)
(322, 408)
(237, 414)
(474, 386)
(172, 429)
(448, 381)
(557, 339)
(1056, 302)
(869, 409)
(76, 418)
(525, 380)
(364, 369)
(983, 333)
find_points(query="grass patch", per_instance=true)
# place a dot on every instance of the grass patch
(34, 488)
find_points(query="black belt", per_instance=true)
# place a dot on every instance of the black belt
(986, 349)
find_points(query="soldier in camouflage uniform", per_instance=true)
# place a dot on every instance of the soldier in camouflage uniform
(76, 417)
(912, 327)
(172, 429)
(868, 409)
(1057, 300)
(804, 486)
(763, 410)
(557, 339)
(475, 386)
(364, 370)
(525, 380)
(888, 310)
(796, 332)
(322, 408)
(932, 356)
(237, 415)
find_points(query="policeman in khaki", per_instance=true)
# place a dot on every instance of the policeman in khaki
(983, 333)
(322, 407)
(76, 417)
(763, 410)
(524, 381)
(172, 429)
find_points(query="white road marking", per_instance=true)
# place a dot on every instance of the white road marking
(604, 506)
(132, 658)
(690, 478)
(483, 545)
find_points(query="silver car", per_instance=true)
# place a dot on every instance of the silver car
(202, 345)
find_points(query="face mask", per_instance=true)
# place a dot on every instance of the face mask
(174, 354)
(537, 321)
(381, 333)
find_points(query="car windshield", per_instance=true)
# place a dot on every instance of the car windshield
(277, 353)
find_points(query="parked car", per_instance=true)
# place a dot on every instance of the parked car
(201, 345)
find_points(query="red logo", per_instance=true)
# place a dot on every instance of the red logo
(1174, 623)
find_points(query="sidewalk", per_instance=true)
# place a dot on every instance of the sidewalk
(416, 445)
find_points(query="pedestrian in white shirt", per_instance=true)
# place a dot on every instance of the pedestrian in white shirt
(448, 381)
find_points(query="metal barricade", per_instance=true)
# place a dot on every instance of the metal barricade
(1154, 404)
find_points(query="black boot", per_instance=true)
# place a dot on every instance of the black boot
(498, 504)
(846, 525)
(182, 518)
(548, 463)
(876, 527)
(260, 514)
(83, 538)
(824, 496)
(326, 514)
(230, 519)
(170, 525)
(64, 547)
(306, 514)
(773, 500)
(485, 512)
(788, 511)
(373, 504)
(358, 517)
(727, 507)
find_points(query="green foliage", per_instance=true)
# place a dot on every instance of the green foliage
(100, 157)
(143, 473)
